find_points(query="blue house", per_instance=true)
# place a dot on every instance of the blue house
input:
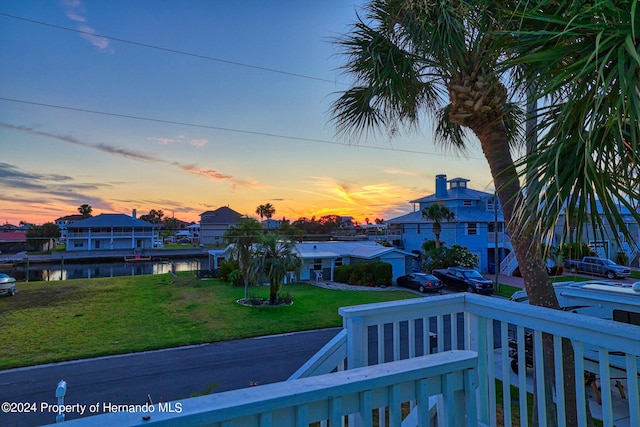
(478, 223)
(111, 231)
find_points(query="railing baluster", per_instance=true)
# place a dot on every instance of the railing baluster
(522, 376)
(302, 416)
(559, 374)
(426, 336)
(605, 386)
(381, 343)
(538, 359)
(335, 411)
(395, 410)
(366, 408)
(491, 371)
(578, 350)
(633, 394)
(411, 330)
(266, 419)
(396, 341)
(454, 331)
(440, 333)
(506, 375)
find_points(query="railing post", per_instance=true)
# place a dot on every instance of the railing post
(356, 342)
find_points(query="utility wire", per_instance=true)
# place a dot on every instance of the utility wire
(175, 51)
(249, 132)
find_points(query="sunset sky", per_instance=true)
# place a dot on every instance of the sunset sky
(187, 106)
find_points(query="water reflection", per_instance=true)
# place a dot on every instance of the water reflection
(66, 271)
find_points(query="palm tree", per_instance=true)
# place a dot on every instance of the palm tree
(438, 213)
(85, 210)
(404, 59)
(265, 211)
(274, 258)
(589, 153)
(445, 59)
(243, 238)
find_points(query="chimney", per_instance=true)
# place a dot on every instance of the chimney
(441, 186)
(134, 214)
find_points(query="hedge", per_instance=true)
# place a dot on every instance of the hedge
(365, 274)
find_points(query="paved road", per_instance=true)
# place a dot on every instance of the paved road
(165, 375)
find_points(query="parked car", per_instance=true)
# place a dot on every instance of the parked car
(7, 284)
(184, 240)
(465, 279)
(421, 282)
(595, 265)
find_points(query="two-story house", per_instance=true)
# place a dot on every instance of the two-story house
(213, 224)
(478, 223)
(109, 232)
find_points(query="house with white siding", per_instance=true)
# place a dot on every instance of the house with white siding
(110, 232)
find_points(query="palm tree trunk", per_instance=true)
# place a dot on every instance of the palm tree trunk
(527, 247)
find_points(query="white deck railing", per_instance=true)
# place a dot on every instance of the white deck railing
(404, 329)
(326, 398)
(410, 329)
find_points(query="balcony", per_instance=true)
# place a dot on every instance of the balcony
(380, 367)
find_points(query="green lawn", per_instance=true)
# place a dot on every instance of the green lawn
(56, 321)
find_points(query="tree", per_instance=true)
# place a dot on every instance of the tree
(404, 55)
(588, 54)
(438, 213)
(85, 210)
(443, 257)
(243, 237)
(40, 234)
(154, 216)
(265, 211)
(274, 258)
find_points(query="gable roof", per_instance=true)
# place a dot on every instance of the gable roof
(74, 217)
(336, 249)
(222, 215)
(110, 220)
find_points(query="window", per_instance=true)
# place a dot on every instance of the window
(419, 231)
(78, 245)
(472, 228)
(338, 262)
(467, 203)
(626, 317)
(317, 264)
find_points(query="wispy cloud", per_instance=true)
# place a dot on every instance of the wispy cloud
(394, 171)
(32, 187)
(193, 169)
(180, 139)
(75, 11)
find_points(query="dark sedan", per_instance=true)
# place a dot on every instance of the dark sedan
(421, 282)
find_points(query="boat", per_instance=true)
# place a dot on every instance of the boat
(7, 284)
(137, 258)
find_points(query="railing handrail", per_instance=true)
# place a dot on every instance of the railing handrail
(588, 329)
(326, 359)
(331, 396)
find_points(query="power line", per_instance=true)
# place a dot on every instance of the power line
(175, 51)
(225, 129)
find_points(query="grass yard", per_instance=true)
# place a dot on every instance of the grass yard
(74, 319)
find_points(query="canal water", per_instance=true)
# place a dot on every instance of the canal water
(67, 271)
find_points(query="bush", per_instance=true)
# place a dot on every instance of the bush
(230, 273)
(364, 274)
(443, 257)
(622, 258)
(342, 273)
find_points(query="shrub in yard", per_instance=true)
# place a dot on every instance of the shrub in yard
(342, 273)
(230, 273)
(364, 274)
